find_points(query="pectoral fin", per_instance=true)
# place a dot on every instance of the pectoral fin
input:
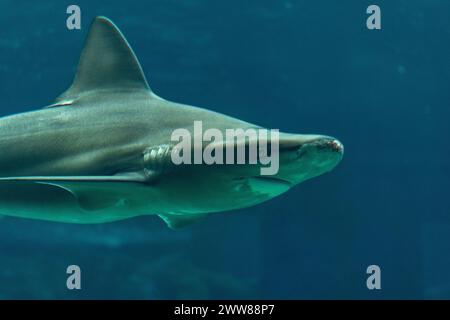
(93, 196)
(93, 193)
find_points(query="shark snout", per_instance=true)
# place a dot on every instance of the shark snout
(305, 156)
(336, 146)
(329, 144)
(298, 141)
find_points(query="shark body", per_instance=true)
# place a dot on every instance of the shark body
(100, 152)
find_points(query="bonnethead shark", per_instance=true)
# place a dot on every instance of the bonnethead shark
(101, 151)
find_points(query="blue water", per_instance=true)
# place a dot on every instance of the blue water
(300, 66)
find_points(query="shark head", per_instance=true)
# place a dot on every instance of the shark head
(304, 156)
(221, 187)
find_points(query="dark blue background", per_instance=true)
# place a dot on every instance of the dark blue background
(300, 66)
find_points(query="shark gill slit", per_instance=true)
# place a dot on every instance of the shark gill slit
(157, 158)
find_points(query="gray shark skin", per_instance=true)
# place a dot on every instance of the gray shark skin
(99, 152)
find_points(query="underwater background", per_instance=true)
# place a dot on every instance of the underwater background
(300, 66)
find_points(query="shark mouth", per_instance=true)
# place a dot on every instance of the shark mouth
(268, 186)
(272, 180)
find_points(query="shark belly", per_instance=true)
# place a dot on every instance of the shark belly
(55, 203)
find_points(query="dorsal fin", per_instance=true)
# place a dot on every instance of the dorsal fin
(107, 63)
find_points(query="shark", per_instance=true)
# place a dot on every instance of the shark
(101, 151)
